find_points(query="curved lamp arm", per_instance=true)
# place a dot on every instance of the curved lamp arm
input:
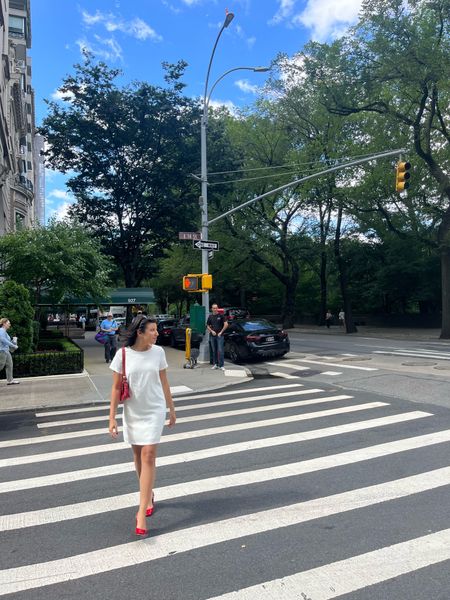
(254, 69)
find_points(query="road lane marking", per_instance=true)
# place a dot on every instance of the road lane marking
(331, 373)
(339, 366)
(285, 375)
(224, 449)
(199, 417)
(337, 579)
(412, 355)
(55, 413)
(93, 507)
(108, 559)
(69, 476)
(288, 365)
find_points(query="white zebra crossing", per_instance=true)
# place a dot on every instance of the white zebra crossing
(226, 449)
(360, 571)
(183, 540)
(60, 478)
(354, 573)
(83, 509)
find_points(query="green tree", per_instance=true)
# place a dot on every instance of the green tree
(394, 65)
(129, 151)
(15, 305)
(59, 260)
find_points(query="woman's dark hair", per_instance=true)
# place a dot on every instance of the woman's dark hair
(139, 323)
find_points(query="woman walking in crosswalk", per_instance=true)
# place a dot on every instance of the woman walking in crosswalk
(144, 413)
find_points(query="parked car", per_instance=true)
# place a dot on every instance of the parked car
(233, 312)
(247, 338)
(165, 328)
(178, 337)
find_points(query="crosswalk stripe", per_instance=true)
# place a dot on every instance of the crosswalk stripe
(355, 573)
(108, 559)
(102, 406)
(331, 373)
(285, 375)
(180, 436)
(89, 508)
(288, 366)
(189, 407)
(225, 449)
(339, 366)
(415, 355)
(70, 476)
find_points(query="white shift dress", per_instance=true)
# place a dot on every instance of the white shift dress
(144, 413)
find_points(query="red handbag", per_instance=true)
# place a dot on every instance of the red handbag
(124, 387)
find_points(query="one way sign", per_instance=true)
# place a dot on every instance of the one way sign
(205, 245)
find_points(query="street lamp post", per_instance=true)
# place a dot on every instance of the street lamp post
(204, 349)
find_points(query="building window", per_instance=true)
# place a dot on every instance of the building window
(17, 26)
(20, 221)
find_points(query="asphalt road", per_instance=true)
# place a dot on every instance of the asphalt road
(277, 489)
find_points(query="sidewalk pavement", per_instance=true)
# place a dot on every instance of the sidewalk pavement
(395, 333)
(94, 385)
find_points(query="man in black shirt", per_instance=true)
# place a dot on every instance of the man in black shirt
(216, 325)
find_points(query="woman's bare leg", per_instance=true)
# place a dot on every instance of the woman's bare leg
(146, 481)
(137, 460)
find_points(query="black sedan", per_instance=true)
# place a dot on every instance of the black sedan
(165, 327)
(247, 338)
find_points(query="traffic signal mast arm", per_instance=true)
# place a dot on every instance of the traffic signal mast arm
(301, 180)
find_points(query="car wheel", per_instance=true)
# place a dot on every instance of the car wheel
(234, 353)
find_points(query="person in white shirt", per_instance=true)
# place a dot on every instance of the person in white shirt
(144, 412)
(6, 345)
(342, 318)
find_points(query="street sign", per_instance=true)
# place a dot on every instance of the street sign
(210, 254)
(206, 245)
(189, 235)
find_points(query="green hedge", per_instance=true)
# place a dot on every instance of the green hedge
(53, 357)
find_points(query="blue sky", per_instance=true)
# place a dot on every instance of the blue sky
(138, 35)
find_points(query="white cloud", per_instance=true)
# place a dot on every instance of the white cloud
(245, 86)
(62, 96)
(136, 28)
(62, 212)
(111, 50)
(251, 41)
(60, 194)
(328, 18)
(228, 104)
(284, 12)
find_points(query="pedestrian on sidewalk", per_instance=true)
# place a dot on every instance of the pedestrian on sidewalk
(216, 325)
(328, 319)
(82, 321)
(342, 318)
(6, 345)
(144, 412)
(109, 327)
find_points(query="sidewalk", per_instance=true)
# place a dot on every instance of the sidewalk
(395, 333)
(94, 385)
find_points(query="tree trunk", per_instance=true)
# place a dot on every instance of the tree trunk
(323, 287)
(343, 277)
(288, 315)
(445, 278)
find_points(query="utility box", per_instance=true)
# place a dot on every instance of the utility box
(198, 318)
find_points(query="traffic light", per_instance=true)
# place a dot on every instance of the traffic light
(190, 283)
(402, 176)
(197, 282)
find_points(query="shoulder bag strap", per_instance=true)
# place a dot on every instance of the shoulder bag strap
(124, 376)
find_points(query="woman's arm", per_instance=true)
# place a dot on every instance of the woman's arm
(115, 398)
(168, 396)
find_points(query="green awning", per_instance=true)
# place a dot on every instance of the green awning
(119, 296)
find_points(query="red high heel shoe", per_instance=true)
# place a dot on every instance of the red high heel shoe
(141, 532)
(150, 509)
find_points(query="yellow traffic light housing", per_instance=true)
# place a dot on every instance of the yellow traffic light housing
(197, 282)
(207, 282)
(402, 176)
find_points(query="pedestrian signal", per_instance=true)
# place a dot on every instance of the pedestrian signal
(402, 176)
(190, 283)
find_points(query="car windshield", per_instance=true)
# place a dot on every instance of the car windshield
(167, 323)
(257, 325)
